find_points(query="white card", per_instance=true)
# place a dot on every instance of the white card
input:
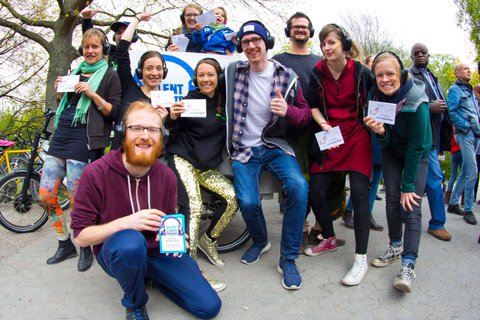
(230, 35)
(180, 41)
(382, 111)
(329, 139)
(206, 18)
(194, 108)
(163, 98)
(68, 83)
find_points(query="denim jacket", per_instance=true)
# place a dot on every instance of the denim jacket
(463, 108)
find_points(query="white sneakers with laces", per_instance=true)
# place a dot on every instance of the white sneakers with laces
(357, 272)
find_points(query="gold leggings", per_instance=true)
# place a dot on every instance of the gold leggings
(192, 178)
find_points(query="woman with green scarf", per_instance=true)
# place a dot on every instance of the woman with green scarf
(82, 130)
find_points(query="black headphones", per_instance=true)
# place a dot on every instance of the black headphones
(218, 69)
(345, 37)
(403, 70)
(270, 40)
(139, 70)
(299, 15)
(106, 46)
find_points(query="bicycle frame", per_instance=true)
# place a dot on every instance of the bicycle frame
(6, 157)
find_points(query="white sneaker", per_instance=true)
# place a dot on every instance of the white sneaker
(357, 272)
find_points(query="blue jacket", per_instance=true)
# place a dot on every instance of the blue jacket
(463, 108)
(214, 41)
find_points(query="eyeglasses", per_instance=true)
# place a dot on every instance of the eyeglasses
(140, 129)
(300, 27)
(246, 43)
(191, 15)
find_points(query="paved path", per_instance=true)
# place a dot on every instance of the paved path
(446, 287)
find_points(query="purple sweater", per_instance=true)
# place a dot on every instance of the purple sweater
(105, 189)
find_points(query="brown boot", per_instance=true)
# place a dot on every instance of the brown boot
(448, 193)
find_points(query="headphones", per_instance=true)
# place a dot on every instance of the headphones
(345, 37)
(139, 70)
(270, 43)
(403, 70)
(218, 69)
(298, 15)
(106, 46)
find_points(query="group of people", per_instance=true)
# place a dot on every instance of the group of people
(266, 115)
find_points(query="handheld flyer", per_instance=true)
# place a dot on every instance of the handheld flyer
(172, 234)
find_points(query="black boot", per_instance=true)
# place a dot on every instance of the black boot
(374, 225)
(348, 219)
(66, 249)
(85, 260)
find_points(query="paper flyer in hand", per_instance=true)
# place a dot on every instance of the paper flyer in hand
(180, 41)
(329, 139)
(382, 111)
(163, 98)
(172, 234)
(206, 18)
(194, 108)
(68, 83)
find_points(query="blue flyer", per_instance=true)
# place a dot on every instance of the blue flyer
(172, 234)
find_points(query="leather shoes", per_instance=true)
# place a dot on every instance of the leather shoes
(440, 234)
(86, 259)
(348, 219)
(66, 249)
(455, 209)
(374, 225)
(469, 217)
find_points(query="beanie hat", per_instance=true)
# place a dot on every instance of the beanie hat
(116, 25)
(252, 27)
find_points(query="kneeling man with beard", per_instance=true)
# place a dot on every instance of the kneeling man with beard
(119, 205)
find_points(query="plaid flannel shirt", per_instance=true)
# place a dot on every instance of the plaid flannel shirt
(240, 104)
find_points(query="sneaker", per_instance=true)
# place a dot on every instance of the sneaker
(209, 248)
(469, 217)
(291, 276)
(455, 209)
(217, 285)
(137, 314)
(253, 254)
(388, 257)
(325, 245)
(403, 281)
(357, 272)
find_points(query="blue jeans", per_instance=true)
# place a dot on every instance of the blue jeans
(374, 183)
(247, 179)
(124, 257)
(468, 173)
(435, 195)
(456, 162)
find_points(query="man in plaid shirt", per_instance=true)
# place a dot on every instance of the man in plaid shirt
(264, 98)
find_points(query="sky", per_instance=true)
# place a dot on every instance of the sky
(409, 21)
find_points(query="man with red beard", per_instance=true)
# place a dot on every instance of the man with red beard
(119, 205)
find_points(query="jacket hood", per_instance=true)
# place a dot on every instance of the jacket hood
(415, 96)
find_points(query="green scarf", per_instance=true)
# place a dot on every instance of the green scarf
(216, 26)
(98, 69)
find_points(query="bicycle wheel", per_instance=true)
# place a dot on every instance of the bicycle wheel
(18, 163)
(233, 237)
(17, 215)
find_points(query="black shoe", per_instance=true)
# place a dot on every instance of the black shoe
(86, 259)
(66, 249)
(377, 197)
(348, 219)
(469, 217)
(137, 314)
(455, 209)
(374, 225)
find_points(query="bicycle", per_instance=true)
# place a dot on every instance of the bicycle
(12, 159)
(20, 208)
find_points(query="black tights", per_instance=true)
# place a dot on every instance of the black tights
(359, 186)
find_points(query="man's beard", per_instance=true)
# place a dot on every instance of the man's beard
(142, 159)
(301, 41)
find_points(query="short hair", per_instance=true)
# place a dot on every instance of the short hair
(297, 15)
(141, 105)
(225, 15)
(94, 32)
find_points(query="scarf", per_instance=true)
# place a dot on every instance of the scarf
(98, 69)
(216, 26)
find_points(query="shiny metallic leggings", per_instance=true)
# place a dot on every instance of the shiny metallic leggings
(190, 199)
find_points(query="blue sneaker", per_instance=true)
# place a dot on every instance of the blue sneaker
(137, 314)
(253, 254)
(291, 276)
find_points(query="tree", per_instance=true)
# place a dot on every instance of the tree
(468, 18)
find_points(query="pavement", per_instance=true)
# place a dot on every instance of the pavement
(446, 287)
